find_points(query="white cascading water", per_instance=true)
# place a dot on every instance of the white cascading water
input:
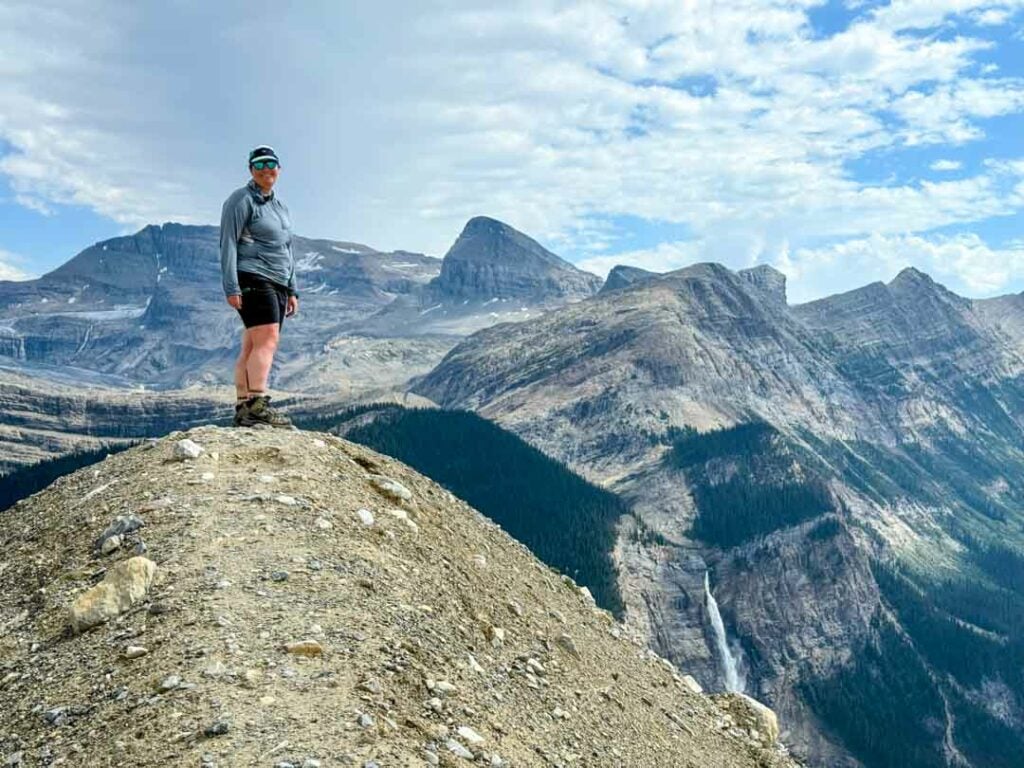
(734, 679)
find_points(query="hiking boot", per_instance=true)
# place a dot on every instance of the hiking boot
(240, 410)
(258, 413)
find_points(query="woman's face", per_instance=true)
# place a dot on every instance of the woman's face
(265, 178)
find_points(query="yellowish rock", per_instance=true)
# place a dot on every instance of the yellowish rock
(309, 648)
(125, 584)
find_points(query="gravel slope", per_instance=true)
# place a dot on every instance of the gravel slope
(424, 637)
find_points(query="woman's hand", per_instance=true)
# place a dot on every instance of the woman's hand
(293, 306)
(235, 301)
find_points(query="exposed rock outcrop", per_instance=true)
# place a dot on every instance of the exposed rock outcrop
(622, 276)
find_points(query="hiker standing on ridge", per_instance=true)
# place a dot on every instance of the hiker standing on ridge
(258, 274)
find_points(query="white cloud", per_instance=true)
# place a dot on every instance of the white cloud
(394, 128)
(946, 165)
(964, 263)
(9, 269)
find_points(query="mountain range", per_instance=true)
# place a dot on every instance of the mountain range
(843, 476)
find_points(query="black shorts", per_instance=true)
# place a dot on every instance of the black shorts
(263, 301)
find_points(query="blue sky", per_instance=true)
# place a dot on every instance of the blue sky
(839, 141)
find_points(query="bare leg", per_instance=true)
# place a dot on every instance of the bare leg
(241, 377)
(264, 340)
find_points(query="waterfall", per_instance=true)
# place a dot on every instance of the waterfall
(734, 678)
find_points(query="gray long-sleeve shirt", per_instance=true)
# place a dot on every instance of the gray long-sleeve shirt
(256, 237)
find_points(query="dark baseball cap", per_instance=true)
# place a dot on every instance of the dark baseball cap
(263, 152)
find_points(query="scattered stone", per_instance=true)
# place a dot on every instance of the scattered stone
(323, 524)
(308, 648)
(186, 449)
(567, 644)
(288, 501)
(496, 635)
(366, 516)
(402, 515)
(135, 652)
(750, 713)
(442, 688)
(692, 684)
(390, 488)
(480, 560)
(122, 525)
(206, 477)
(516, 608)
(458, 750)
(110, 544)
(365, 720)
(169, 683)
(279, 576)
(371, 685)
(267, 479)
(468, 734)
(474, 665)
(124, 585)
(218, 728)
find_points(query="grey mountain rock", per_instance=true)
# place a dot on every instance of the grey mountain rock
(490, 259)
(768, 280)
(492, 274)
(148, 308)
(879, 394)
(622, 276)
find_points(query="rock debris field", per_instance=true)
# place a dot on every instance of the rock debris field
(236, 597)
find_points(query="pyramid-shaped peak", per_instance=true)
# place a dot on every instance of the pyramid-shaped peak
(911, 276)
(491, 259)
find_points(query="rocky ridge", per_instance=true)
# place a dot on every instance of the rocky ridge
(242, 597)
(887, 395)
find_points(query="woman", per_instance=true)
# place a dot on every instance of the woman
(258, 274)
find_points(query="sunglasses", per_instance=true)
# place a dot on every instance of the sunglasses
(259, 165)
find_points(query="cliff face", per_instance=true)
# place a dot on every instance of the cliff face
(896, 422)
(237, 596)
(42, 420)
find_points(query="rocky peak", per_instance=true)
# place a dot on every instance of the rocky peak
(492, 260)
(623, 276)
(768, 280)
(222, 595)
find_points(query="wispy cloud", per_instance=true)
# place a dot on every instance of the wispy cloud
(946, 165)
(9, 266)
(732, 118)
